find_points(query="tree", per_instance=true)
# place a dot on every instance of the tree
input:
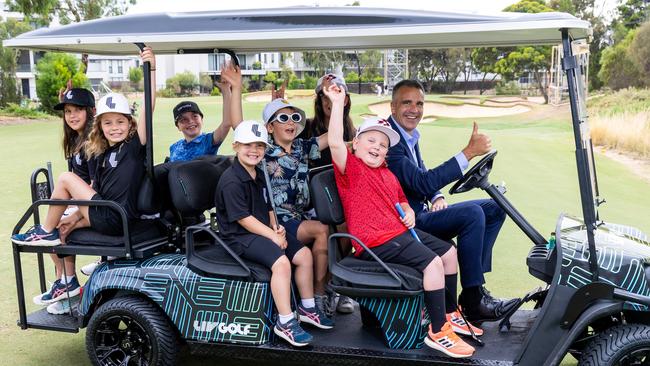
(323, 61)
(484, 60)
(206, 83)
(633, 13)
(618, 71)
(585, 9)
(135, 76)
(522, 60)
(53, 72)
(442, 66)
(8, 92)
(69, 11)
(639, 51)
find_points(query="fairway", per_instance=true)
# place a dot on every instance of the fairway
(535, 160)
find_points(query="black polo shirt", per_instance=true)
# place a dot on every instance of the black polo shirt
(78, 164)
(119, 173)
(239, 195)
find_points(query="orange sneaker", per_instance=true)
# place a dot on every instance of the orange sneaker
(448, 342)
(460, 326)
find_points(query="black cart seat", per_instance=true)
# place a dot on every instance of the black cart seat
(193, 187)
(352, 276)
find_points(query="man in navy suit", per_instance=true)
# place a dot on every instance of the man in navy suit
(476, 224)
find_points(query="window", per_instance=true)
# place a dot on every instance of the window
(110, 67)
(120, 68)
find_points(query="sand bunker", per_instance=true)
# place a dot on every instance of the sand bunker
(265, 96)
(456, 111)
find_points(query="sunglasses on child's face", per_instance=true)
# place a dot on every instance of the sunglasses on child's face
(285, 118)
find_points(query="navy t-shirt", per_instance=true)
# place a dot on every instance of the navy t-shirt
(238, 196)
(119, 173)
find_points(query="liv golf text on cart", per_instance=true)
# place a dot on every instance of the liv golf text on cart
(232, 328)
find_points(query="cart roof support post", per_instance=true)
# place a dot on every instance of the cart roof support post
(146, 68)
(583, 148)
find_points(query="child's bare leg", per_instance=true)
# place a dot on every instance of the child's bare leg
(58, 265)
(68, 186)
(304, 273)
(450, 261)
(69, 265)
(281, 285)
(316, 232)
(433, 278)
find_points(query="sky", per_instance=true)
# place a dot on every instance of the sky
(479, 6)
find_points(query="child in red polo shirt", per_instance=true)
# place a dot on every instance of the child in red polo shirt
(369, 192)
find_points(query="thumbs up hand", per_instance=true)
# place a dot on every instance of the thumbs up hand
(478, 144)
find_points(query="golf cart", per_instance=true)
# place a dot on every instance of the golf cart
(177, 283)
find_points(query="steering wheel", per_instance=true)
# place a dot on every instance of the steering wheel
(476, 176)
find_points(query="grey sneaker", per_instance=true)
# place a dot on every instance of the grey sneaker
(324, 304)
(345, 305)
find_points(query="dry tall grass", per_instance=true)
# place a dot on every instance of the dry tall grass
(627, 131)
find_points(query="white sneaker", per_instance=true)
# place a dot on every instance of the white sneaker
(89, 268)
(63, 306)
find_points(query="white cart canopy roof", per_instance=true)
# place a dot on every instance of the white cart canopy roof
(302, 28)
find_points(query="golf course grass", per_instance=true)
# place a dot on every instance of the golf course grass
(535, 159)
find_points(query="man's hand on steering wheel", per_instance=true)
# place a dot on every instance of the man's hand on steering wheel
(479, 144)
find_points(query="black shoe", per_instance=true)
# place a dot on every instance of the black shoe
(487, 308)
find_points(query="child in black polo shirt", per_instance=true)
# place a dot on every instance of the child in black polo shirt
(245, 223)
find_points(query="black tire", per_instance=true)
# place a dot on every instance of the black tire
(131, 331)
(620, 345)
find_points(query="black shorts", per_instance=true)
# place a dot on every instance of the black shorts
(262, 250)
(104, 219)
(404, 249)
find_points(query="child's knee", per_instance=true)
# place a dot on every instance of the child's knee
(303, 257)
(282, 266)
(435, 266)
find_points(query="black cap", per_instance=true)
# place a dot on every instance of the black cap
(185, 106)
(77, 96)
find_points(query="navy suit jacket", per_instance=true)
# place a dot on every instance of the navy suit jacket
(418, 183)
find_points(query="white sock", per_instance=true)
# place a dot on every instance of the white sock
(308, 303)
(284, 319)
(66, 279)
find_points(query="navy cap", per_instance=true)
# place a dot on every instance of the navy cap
(77, 96)
(185, 106)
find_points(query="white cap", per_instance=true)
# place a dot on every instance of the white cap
(339, 81)
(113, 103)
(271, 108)
(251, 131)
(381, 125)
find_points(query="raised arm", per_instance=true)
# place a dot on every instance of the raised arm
(221, 131)
(232, 75)
(147, 55)
(335, 129)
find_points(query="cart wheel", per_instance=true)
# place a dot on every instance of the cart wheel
(620, 345)
(130, 331)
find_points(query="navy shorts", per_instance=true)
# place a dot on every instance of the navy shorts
(104, 219)
(262, 250)
(404, 249)
(291, 226)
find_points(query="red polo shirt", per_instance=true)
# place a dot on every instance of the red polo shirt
(368, 196)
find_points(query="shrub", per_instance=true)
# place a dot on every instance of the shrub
(135, 76)
(618, 71)
(183, 83)
(215, 92)
(295, 83)
(166, 93)
(270, 77)
(16, 110)
(310, 82)
(507, 88)
(352, 77)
